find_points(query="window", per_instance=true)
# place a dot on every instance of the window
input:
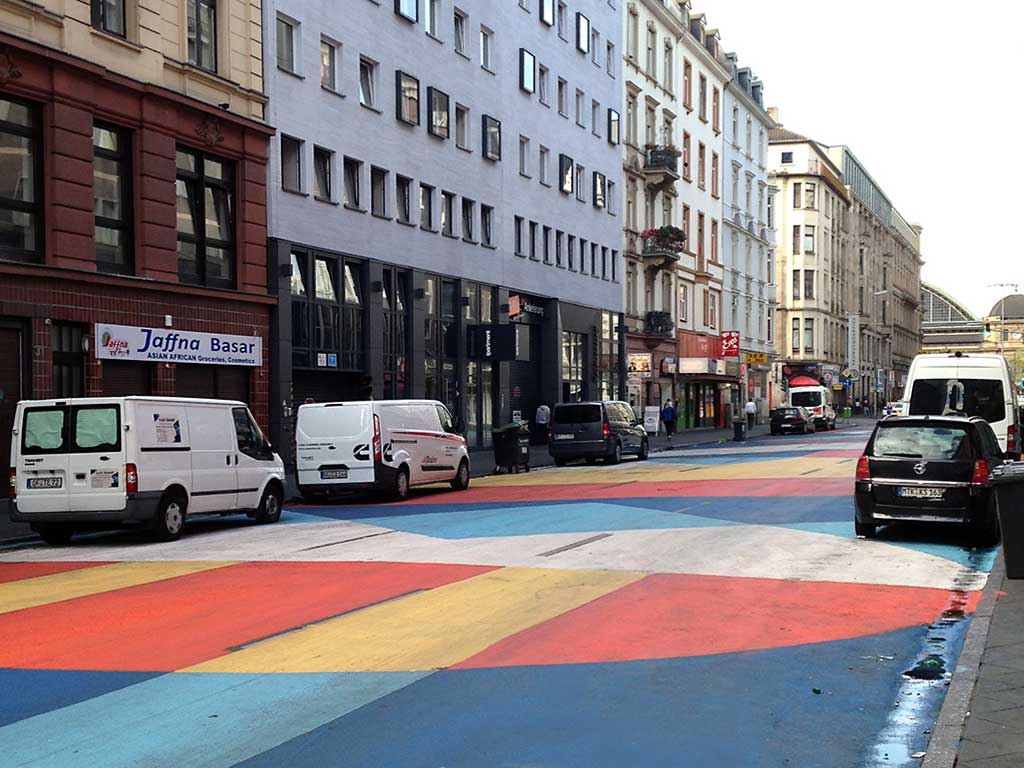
(714, 174)
(684, 303)
(797, 190)
(542, 84)
(712, 309)
(403, 199)
(285, 44)
(491, 138)
(796, 334)
(610, 59)
(291, 164)
(407, 98)
(524, 156)
(582, 33)
(205, 187)
(486, 225)
(563, 98)
(542, 166)
(700, 164)
(599, 190)
(581, 175)
(459, 30)
(715, 109)
(669, 76)
(583, 256)
(468, 220)
(547, 12)
(787, 158)
(808, 335)
(546, 244)
(462, 127)
(559, 237)
(570, 253)
(68, 362)
(323, 181)
(595, 117)
(595, 45)
(652, 52)
(352, 170)
(111, 173)
(579, 107)
(562, 14)
(367, 82)
(533, 240)
(700, 240)
(431, 15)
(518, 234)
(328, 64)
(651, 127)
(108, 15)
(565, 174)
(714, 240)
(770, 211)
(486, 47)
(796, 284)
(527, 71)
(685, 226)
(632, 35)
(810, 200)
(686, 155)
(448, 213)
(771, 325)
(613, 127)
(438, 104)
(631, 193)
(426, 206)
(808, 238)
(202, 34)
(808, 283)
(687, 84)
(378, 191)
(610, 196)
(408, 9)
(796, 238)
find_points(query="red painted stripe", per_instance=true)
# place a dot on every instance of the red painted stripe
(175, 623)
(674, 616)
(19, 571)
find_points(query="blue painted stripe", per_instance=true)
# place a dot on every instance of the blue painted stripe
(29, 692)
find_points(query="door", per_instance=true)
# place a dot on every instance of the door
(11, 357)
(447, 441)
(252, 459)
(96, 460)
(43, 462)
(214, 474)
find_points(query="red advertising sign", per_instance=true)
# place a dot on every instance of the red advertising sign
(730, 343)
(698, 345)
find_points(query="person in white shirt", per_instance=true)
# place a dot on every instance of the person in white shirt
(540, 421)
(751, 410)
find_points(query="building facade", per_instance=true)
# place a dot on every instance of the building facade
(132, 201)
(947, 325)
(444, 204)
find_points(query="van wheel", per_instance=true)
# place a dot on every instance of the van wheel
(865, 529)
(400, 485)
(269, 510)
(170, 517)
(616, 455)
(645, 450)
(55, 535)
(461, 480)
(561, 462)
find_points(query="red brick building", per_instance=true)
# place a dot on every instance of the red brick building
(128, 204)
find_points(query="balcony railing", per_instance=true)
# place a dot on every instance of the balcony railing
(659, 254)
(658, 323)
(661, 166)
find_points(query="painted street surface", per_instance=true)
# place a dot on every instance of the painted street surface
(708, 607)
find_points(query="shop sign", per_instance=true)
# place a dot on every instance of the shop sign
(699, 345)
(668, 366)
(652, 418)
(719, 368)
(517, 305)
(853, 339)
(756, 358)
(732, 368)
(638, 364)
(500, 342)
(730, 343)
(123, 342)
(695, 365)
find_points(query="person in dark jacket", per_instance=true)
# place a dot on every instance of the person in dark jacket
(668, 417)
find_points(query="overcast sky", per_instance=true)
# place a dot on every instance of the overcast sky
(919, 91)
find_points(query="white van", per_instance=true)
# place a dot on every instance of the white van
(817, 400)
(382, 445)
(975, 385)
(87, 463)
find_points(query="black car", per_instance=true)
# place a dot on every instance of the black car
(931, 469)
(791, 419)
(598, 430)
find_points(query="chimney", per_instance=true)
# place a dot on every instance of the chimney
(773, 113)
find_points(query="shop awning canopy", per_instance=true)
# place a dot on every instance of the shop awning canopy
(804, 381)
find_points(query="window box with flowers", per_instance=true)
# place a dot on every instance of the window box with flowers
(662, 157)
(663, 244)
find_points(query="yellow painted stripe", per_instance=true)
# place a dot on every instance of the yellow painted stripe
(29, 593)
(428, 630)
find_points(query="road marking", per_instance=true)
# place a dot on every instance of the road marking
(581, 543)
(29, 593)
(430, 630)
(346, 541)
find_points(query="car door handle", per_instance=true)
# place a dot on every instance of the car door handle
(227, 460)
(104, 458)
(236, 459)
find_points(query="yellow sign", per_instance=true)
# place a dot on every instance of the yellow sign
(756, 358)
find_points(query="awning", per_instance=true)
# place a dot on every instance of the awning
(804, 381)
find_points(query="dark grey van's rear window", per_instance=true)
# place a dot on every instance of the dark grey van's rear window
(931, 443)
(43, 431)
(982, 397)
(577, 414)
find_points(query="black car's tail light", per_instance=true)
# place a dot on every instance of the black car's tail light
(863, 469)
(980, 476)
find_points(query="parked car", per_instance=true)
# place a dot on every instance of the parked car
(971, 385)
(597, 430)
(387, 446)
(929, 469)
(101, 462)
(791, 419)
(817, 400)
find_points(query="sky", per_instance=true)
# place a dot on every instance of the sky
(919, 91)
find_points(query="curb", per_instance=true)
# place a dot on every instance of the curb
(944, 745)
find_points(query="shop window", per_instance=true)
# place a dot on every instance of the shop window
(206, 219)
(202, 34)
(68, 360)
(327, 313)
(395, 300)
(112, 198)
(109, 16)
(21, 210)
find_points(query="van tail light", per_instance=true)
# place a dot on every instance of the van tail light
(980, 476)
(13, 489)
(1011, 439)
(377, 446)
(863, 469)
(131, 478)
(606, 430)
(551, 432)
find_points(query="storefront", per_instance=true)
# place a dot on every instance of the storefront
(707, 386)
(650, 370)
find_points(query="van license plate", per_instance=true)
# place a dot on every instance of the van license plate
(929, 494)
(565, 437)
(333, 474)
(46, 482)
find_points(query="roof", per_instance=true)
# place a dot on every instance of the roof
(781, 135)
(940, 307)
(1009, 307)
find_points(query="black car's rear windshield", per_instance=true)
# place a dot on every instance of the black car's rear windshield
(582, 413)
(972, 397)
(931, 443)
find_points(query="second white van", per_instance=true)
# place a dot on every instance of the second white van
(818, 401)
(381, 445)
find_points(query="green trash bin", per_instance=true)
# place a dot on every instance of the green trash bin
(847, 412)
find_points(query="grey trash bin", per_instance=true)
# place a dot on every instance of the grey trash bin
(739, 430)
(1008, 485)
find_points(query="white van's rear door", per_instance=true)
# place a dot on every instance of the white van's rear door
(42, 469)
(334, 444)
(97, 455)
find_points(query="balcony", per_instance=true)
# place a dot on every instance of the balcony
(661, 166)
(662, 247)
(659, 324)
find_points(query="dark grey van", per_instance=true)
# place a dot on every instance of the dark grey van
(596, 430)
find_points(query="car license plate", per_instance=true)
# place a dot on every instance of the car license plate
(929, 494)
(333, 474)
(565, 437)
(46, 482)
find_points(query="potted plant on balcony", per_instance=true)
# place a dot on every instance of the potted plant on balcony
(667, 238)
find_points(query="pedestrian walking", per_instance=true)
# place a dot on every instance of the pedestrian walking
(668, 417)
(751, 409)
(540, 420)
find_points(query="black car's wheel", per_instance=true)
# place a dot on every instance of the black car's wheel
(867, 530)
(55, 535)
(461, 480)
(775, 431)
(560, 462)
(645, 450)
(616, 455)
